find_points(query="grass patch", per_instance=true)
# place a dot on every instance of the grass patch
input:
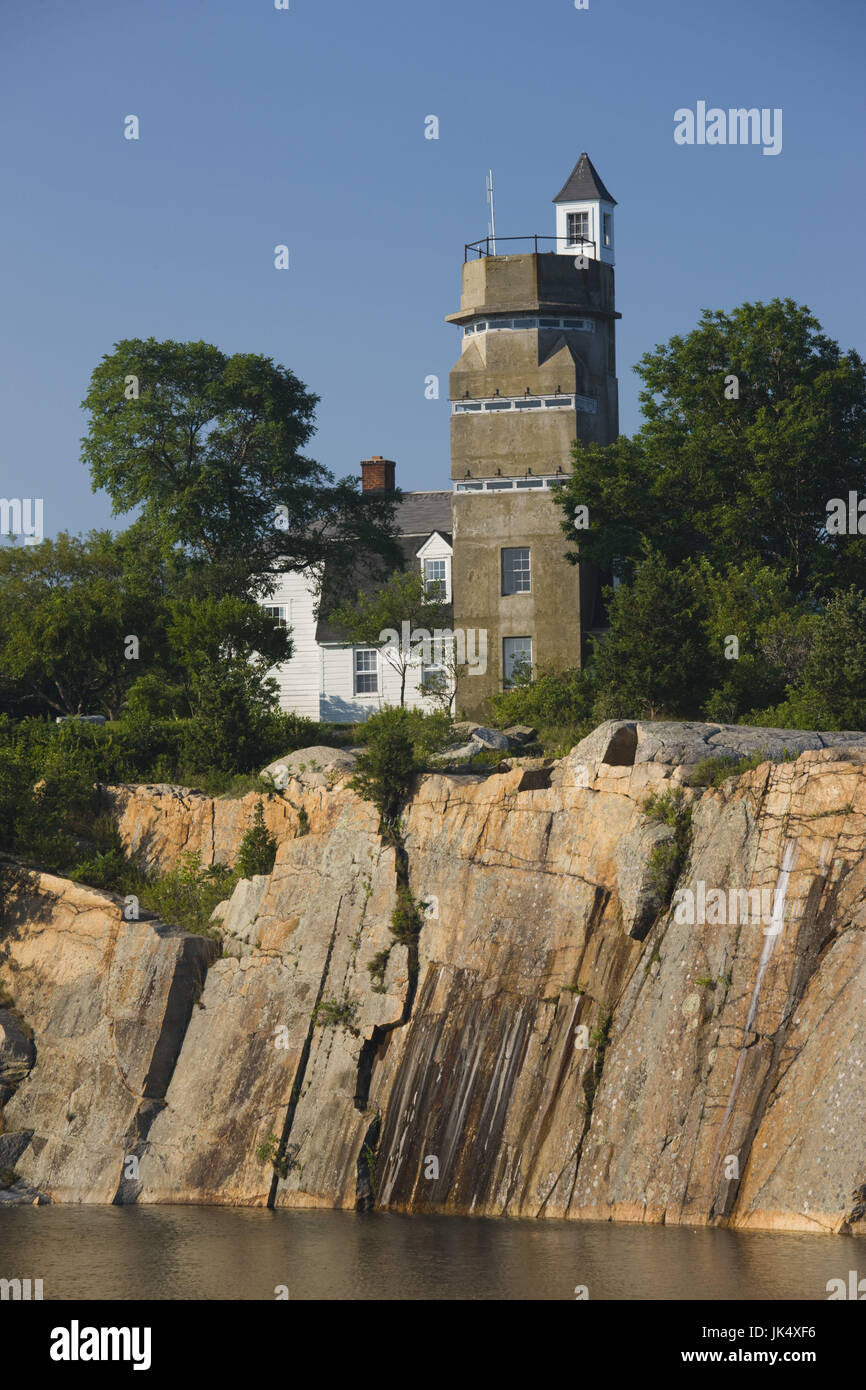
(713, 771)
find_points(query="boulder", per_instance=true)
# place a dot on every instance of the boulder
(680, 745)
(464, 729)
(519, 735)
(489, 738)
(319, 766)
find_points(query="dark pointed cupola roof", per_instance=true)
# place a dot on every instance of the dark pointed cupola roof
(583, 184)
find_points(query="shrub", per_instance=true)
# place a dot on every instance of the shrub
(331, 1013)
(377, 967)
(712, 772)
(385, 769)
(188, 894)
(258, 848)
(667, 859)
(406, 919)
(559, 704)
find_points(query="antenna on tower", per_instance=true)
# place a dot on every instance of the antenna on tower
(491, 226)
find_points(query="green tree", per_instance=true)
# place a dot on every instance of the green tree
(390, 760)
(67, 609)
(655, 659)
(758, 637)
(226, 646)
(211, 450)
(403, 599)
(832, 691)
(733, 470)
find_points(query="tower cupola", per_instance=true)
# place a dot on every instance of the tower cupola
(584, 215)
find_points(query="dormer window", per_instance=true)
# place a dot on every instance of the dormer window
(436, 579)
(578, 227)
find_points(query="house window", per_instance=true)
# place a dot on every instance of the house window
(436, 578)
(606, 227)
(366, 671)
(516, 660)
(578, 227)
(515, 570)
(433, 679)
(279, 612)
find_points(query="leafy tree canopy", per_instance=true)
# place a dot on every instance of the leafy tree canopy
(67, 607)
(210, 447)
(734, 470)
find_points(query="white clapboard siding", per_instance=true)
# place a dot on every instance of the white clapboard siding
(339, 704)
(299, 679)
(319, 679)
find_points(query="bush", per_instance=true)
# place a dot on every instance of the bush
(258, 848)
(666, 860)
(187, 895)
(406, 919)
(557, 703)
(330, 1013)
(377, 967)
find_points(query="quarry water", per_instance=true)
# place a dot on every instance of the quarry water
(236, 1253)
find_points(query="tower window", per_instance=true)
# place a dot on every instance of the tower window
(606, 228)
(578, 227)
(366, 671)
(516, 660)
(515, 570)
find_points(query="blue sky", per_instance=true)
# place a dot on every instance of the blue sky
(306, 127)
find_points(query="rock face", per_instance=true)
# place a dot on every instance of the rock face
(108, 1002)
(559, 1042)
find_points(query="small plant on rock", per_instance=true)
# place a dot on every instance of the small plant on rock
(377, 967)
(332, 1013)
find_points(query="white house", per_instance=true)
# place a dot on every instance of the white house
(328, 680)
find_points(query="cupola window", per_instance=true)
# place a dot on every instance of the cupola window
(578, 227)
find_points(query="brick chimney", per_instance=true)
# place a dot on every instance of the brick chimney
(377, 474)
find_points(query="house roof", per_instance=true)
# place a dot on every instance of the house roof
(583, 183)
(422, 512)
(417, 517)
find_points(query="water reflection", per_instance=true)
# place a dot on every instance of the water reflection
(221, 1253)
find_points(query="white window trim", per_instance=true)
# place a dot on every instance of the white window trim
(497, 405)
(520, 325)
(356, 651)
(283, 616)
(521, 484)
(510, 593)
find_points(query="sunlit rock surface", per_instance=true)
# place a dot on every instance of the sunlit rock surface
(564, 1045)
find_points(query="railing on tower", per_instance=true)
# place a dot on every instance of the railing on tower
(482, 247)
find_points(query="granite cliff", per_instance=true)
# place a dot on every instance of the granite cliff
(567, 1041)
